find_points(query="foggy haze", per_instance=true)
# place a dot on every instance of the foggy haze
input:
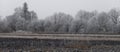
(45, 8)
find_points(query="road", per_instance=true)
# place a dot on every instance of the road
(115, 37)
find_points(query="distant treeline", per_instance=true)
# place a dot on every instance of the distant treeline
(83, 22)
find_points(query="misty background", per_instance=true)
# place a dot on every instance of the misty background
(45, 8)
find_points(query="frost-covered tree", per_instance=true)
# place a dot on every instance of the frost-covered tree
(1, 25)
(12, 21)
(101, 23)
(117, 28)
(59, 22)
(33, 15)
(28, 15)
(0, 18)
(78, 26)
(114, 14)
(85, 15)
(36, 26)
(104, 22)
(20, 24)
(4, 28)
(80, 23)
(21, 18)
(93, 26)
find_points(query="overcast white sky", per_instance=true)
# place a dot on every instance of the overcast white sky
(45, 8)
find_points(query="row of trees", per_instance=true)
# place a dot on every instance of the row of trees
(83, 22)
